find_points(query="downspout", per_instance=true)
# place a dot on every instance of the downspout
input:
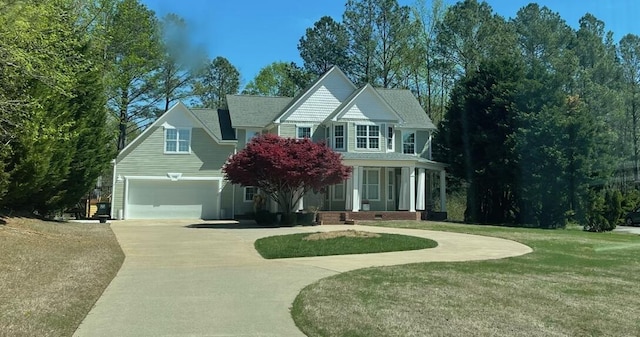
(233, 191)
(113, 186)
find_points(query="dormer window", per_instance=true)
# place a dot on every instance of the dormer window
(303, 131)
(368, 137)
(177, 140)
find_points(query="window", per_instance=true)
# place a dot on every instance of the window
(177, 140)
(367, 136)
(250, 134)
(390, 138)
(304, 132)
(249, 193)
(391, 186)
(338, 135)
(409, 142)
(338, 191)
(371, 184)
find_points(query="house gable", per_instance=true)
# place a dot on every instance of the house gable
(178, 116)
(366, 105)
(320, 100)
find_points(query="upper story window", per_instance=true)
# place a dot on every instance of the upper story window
(390, 138)
(250, 134)
(177, 140)
(368, 137)
(338, 137)
(409, 142)
(303, 131)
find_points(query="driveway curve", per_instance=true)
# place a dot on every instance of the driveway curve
(193, 278)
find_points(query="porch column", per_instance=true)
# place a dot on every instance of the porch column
(443, 191)
(348, 195)
(355, 188)
(420, 195)
(403, 198)
(412, 189)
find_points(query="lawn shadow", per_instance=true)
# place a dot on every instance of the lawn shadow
(226, 224)
(234, 224)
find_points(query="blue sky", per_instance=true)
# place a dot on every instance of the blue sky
(254, 33)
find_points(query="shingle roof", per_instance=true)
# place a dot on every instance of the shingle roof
(407, 106)
(217, 121)
(392, 156)
(255, 111)
(378, 156)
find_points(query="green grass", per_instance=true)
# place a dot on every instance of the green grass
(52, 274)
(573, 284)
(295, 245)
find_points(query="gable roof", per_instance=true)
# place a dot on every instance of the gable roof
(408, 107)
(255, 111)
(203, 118)
(304, 94)
(349, 102)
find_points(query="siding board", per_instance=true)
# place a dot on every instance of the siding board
(148, 159)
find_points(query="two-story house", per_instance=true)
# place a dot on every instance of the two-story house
(173, 169)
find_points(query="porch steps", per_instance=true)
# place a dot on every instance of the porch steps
(350, 218)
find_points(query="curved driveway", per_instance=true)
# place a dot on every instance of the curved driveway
(192, 278)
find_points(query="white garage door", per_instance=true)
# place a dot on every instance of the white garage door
(165, 199)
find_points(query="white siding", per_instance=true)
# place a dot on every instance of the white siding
(180, 118)
(368, 107)
(331, 92)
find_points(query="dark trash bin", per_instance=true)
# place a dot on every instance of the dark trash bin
(104, 209)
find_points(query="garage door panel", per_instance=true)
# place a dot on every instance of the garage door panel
(161, 199)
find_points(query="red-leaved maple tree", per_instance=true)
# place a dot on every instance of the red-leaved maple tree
(286, 168)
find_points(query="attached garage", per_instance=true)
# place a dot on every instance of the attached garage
(169, 199)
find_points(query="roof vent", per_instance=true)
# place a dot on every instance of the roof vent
(174, 176)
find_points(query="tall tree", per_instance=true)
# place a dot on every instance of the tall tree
(629, 51)
(133, 54)
(428, 75)
(54, 100)
(477, 139)
(279, 79)
(379, 32)
(359, 20)
(471, 32)
(597, 84)
(218, 79)
(325, 45)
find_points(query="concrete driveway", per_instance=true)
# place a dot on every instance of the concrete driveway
(193, 278)
(627, 229)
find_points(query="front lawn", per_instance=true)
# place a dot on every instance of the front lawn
(337, 243)
(52, 274)
(573, 284)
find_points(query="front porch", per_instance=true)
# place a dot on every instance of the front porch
(386, 189)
